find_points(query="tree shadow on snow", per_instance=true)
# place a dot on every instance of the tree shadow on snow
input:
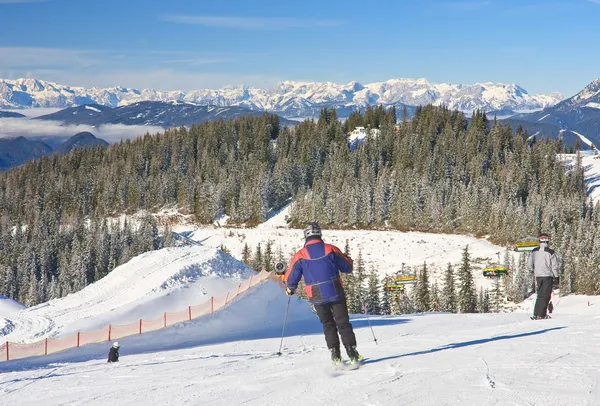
(464, 344)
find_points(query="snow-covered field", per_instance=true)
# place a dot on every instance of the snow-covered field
(229, 358)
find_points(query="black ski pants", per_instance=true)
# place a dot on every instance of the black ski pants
(544, 291)
(334, 317)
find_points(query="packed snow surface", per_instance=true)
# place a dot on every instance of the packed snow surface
(229, 358)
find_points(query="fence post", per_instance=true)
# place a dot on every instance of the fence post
(226, 297)
(239, 286)
(140, 326)
(165, 319)
(78, 333)
(46, 346)
(250, 282)
(7, 357)
(109, 332)
(212, 304)
(190, 311)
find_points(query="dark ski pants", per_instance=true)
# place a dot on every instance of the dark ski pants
(544, 291)
(334, 317)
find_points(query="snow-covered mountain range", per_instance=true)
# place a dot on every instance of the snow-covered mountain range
(289, 99)
(576, 118)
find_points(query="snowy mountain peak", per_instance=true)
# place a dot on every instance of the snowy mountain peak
(287, 98)
(589, 92)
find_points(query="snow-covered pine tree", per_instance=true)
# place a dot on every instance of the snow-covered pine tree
(387, 298)
(257, 260)
(422, 296)
(448, 300)
(268, 262)
(435, 297)
(467, 299)
(486, 301)
(373, 300)
(359, 292)
(498, 296)
(246, 254)
(480, 301)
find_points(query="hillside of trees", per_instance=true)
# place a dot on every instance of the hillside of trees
(437, 172)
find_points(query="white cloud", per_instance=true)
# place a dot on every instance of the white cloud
(595, 1)
(24, 57)
(252, 23)
(14, 127)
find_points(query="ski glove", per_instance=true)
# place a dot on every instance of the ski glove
(288, 291)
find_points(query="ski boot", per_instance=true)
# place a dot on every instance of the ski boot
(336, 356)
(355, 357)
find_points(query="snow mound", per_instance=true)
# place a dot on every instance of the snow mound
(9, 306)
(166, 280)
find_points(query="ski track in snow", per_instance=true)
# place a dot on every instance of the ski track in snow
(424, 359)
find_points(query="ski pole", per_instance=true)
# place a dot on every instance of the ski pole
(369, 321)
(284, 323)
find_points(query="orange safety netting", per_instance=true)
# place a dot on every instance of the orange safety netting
(124, 331)
(178, 317)
(17, 351)
(151, 325)
(10, 351)
(61, 344)
(3, 356)
(92, 337)
(202, 309)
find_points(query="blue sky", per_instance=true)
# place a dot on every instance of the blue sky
(542, 45)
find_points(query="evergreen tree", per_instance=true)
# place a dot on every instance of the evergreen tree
(373, 300)
(467, 300)
(498, 297)
(422, 297)
(448, 301)
(257, 260)
(246, 253)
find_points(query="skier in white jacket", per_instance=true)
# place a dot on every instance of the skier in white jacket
(543, 261)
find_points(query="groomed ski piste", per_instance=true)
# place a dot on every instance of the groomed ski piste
(230, 357)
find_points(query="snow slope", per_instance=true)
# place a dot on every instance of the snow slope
(165, 280)
(591, 166)
(386, 250)
(9, 306)
(229, 358)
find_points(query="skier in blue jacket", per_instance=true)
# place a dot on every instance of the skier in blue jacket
(320, 264)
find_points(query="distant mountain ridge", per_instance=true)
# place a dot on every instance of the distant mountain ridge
(17, 151)
(164, 114)
(577, 117)
(291, 99)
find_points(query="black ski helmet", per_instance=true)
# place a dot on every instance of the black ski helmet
(312, 229)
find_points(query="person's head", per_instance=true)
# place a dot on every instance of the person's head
(116, 345)
(312, 231)
(544, 238)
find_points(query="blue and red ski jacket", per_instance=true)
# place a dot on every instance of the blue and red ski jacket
(320, 264)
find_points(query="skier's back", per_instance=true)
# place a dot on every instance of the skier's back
(543, 261)
(320, 264)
